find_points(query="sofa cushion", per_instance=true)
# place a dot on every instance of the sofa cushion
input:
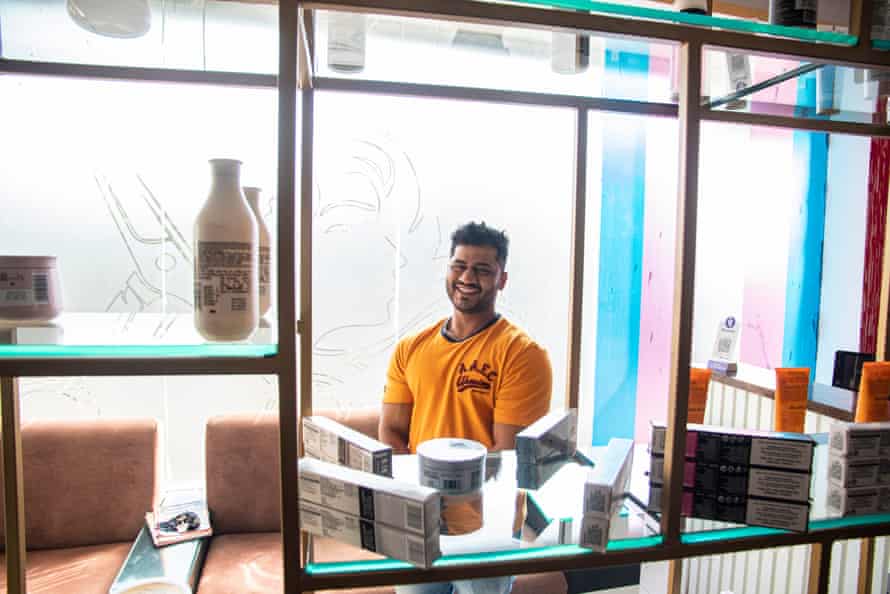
(87, 482)
(243, 564)
(85, 570)
(243, 473)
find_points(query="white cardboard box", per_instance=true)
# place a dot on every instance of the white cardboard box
(328, 440)
(380, 499)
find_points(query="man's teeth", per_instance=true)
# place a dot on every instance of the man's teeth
(468, 290)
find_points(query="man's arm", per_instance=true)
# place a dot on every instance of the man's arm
(395, 426)
(505, 436)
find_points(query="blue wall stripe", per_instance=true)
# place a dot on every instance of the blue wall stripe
(804, 285)
(621, 246)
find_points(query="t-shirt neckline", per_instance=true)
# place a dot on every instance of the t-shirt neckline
(483, 328)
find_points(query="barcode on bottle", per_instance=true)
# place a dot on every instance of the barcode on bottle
(413, 517)
(209, 296)
(40, 282)
(416, 553)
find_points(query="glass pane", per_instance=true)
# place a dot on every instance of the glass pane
(113, 193)
(763, 85)
(395, 178)
(148, 444)
(213, 35)
(398, 49)
(628, 275)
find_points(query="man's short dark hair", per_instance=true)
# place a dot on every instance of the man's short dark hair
(480, 234)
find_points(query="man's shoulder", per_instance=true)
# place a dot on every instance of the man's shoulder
(513, 333)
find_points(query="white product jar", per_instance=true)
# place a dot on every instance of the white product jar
(30, 289)
(453, 466)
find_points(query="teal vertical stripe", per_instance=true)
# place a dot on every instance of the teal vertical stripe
(621, 247)
(804, 286)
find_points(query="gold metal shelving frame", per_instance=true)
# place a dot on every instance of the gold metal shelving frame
(296, 84)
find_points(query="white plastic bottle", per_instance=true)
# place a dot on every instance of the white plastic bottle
(694, 6)
(253, 199)
(226, 259)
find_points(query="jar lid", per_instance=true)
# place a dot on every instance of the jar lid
(27, 261)
(449, 449)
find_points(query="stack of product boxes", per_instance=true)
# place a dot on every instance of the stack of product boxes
(604, 492)
(543, 447)
(341, 498)
(758, 478)
(859, 469)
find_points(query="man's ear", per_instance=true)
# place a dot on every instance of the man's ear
(503, 280)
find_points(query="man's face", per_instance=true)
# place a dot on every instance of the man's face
(474, 278)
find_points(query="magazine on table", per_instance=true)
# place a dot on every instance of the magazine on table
(181, 516)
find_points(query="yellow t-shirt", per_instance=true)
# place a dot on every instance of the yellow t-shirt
(460, 389)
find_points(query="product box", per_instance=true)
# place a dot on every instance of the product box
(552, 437)
(738, 480)
(605, 484)
(860, 441)
(753, 511)
(371, 536)
(380, 499)
(595, 532)
(328, 440)
(858, 500)
(844, 473)
(723, 445)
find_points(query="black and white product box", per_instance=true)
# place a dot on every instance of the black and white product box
(738, 480)
(753, 511)
(378, 538)
(857, 501)
(328, 440)
(721, 445)
(595, 532)
(860, 441)
(553, 436)
(605, 484)
(399, 504)
(866, 473)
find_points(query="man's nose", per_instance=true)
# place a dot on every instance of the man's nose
(468, 276)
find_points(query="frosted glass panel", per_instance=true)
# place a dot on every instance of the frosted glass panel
(395, 178)
(109, 177)
(220, 36)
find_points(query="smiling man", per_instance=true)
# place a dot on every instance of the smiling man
(472, 375)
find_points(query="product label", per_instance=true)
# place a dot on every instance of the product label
(359, 459)
(779, 485)
(265, 271)
(773, 514)
(805, 4)
(786, 454)
(19, 289)
(224, 271)
(346, 41)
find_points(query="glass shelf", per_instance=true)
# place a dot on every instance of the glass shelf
(781, 87)
(560, 498)
(438, 52)
(698, 20)
(126, 335)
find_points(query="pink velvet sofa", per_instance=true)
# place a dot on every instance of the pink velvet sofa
(243, 496)
(87, 486)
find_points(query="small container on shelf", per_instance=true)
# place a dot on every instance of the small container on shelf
(30, 288)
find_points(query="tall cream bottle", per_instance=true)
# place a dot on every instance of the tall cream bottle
(226, 259)
(253, 199)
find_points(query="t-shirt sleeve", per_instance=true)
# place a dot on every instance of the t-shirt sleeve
(524, 394)
(397, 390)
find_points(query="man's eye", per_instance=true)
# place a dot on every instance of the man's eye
(483, 272)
